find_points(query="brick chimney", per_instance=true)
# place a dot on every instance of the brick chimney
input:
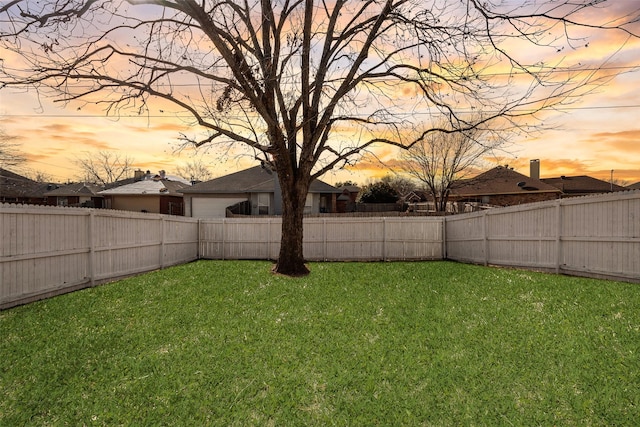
(534, 169)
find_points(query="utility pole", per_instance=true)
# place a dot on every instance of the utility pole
(611, 180)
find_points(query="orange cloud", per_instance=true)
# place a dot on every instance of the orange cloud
(55, 128)
(572, 167)
(626, 141)
(557, 167)
(159, 125)
(620, 176)
(44, 155)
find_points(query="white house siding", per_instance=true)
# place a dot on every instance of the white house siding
(210, 207)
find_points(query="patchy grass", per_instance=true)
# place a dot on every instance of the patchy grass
(229, 343)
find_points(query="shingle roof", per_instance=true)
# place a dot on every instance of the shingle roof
(80, 188)
(635, 186)
(350, 188)
(582, 184)
(501, 180)
(147, 187)
(147, 176)
(252, 180)
(14, 185)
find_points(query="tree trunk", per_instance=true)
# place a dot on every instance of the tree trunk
(442, 204)
(291, 258)
(437, 200)
(441, 200)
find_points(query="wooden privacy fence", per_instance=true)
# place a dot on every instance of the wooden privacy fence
(595, 236)
(47, 251)
(326, 239)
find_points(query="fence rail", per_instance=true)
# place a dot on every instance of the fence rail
(46, 251)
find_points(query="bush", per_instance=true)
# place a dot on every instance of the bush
(378, 192)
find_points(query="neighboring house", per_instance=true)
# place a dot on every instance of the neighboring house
(346, 201)
(154, 194)
(502, 186)
(79, 194)
(253, 191)
(16, 188)
(422, 201)
(635, 186)
(415, 196)
(583, 185)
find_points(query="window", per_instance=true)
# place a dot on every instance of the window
(308, 204)
(263, 204)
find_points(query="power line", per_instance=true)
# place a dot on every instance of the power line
(463, 74)
(180, 116)
(542, 70)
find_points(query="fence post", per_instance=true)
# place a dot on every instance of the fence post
(92, 273)
(198, 243)
(162, 237)
(443, 236)
(269, 238)
(558, 235)
(384, 238)
(224, 232)
(324, 238)
(485, 236)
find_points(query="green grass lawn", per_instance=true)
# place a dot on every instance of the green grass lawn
(228, 343)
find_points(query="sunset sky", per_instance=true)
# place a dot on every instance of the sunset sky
(593, 136)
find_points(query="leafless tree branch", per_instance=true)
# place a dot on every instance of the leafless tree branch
(104, 167)
(308, 86)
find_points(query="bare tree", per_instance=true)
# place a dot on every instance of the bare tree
(39, 176)
(400, 184)
(439, 160)
(10, 153)
(309, 86)
(104, 167)
(195, 170)
(620, 182)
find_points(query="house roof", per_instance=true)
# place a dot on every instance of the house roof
(252, 180)
(76, 189)
(582, 184)
(146, 176)
(414, 196)
(350, 188)
(500, 180)
(17, 186)
(147, 187)
(635, 186)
